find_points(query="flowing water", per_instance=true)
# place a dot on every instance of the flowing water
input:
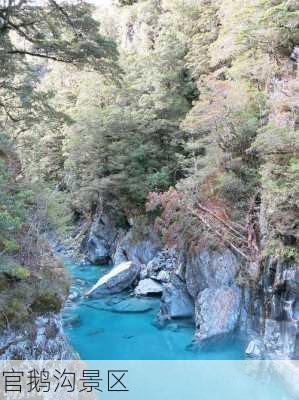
(120, 327)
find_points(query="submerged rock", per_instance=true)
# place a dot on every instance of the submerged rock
(148, 287)
(128, 336)
(217, 311)
(74, 295)
(72, 322)
(176, 301)
(118, 279)
(173, 327)
(96, 332)
(133, 306)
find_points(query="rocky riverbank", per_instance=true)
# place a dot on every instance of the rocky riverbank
(42, 339)
(33, 291)
(220, 292)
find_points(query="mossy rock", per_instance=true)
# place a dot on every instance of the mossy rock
(14, 310)
(46, 302)
(3, 282)
(16, 273)
(9, 246)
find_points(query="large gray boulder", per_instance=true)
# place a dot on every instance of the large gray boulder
(140, 252)
(210, 269)
(176, 302)
(98, 251)
(148, 287)
(217, 311)
(211, 281)
(118, 279)
(100, 240)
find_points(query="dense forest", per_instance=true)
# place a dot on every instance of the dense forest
(180, 112)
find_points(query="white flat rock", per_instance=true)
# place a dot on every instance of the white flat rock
(148, 286)
(118, 279)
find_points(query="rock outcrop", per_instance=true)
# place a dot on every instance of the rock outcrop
(140, 252)
(254, 349)
(42, 340)
(148, 287)
(118, 279)
(217, 311)
(272, 309)
(211, 281)
(210, 269)
(100, 240)
(176, 301)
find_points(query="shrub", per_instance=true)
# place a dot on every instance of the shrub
(15, 310)
(16, 272)
(9, 246)
(231, 187)
(47, 301)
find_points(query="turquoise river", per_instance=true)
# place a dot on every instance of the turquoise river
(121, 327)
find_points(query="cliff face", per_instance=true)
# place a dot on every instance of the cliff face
(272, 308)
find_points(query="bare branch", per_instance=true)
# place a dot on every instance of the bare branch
(63, 12)
(46, 56)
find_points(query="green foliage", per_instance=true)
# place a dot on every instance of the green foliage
(12, 271)
(36, 37)
(58, 212)
(275, 247)
(12, 197)
(46, 301)
(231, 187)
(123, 3)
(9, 246)
(14, 310)
(32, 33)
(271, 26)
(159, 181)
(206, 102)
(125, 139)
(204, 25)
(17, 273)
